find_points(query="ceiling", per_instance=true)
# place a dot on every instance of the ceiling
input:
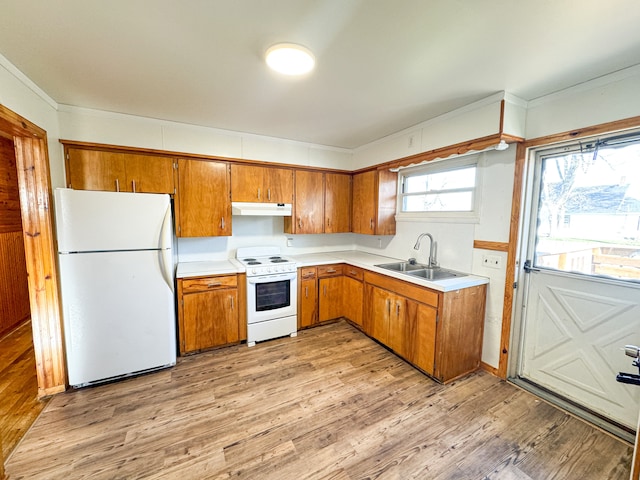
(382, 65)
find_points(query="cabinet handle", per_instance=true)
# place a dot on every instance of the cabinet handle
(258, 194)
(328, 222)
(231, 301)
(299, 222)
(397, 309)
(371, 223)
(222, 223)
(213, 284)
(325, 290)
(268, 193)
(388, 308)
(331, 270)
(133, 186)
(306, 292)
(353, 272)
(117, 185)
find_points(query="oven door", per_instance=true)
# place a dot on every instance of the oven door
(271, 296)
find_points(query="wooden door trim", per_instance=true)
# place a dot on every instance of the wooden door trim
(36, 203)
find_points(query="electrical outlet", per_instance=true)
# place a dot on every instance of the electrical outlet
(410, 141)
(379, 243)
(492, 261)
(289, 242)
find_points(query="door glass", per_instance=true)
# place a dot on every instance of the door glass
(588, 220)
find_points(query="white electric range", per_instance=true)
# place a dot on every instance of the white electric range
(272, 293)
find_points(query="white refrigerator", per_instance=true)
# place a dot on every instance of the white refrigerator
(116, 275)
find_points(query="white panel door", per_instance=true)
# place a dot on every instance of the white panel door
(581, 301)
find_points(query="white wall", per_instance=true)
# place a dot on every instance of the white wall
(22, 96)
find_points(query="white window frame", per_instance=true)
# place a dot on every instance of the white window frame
(472, 216)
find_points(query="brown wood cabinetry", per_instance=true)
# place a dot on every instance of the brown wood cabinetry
(203, 204)
(307, 297)
(330, 292)
(322, 203)
(209, 312)
(374, 202)
(251, 183)
(337, 202)
(308, 210)
(353, 294)
(439, 332)
(112, 171)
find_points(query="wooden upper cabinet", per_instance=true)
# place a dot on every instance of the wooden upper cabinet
(308, 204)
(119, 172)
(95, 170)
(149, 174)
(374, 202)
(337, 203)
(250, 183)
(203, 204)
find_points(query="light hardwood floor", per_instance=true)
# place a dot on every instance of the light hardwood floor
(19, 404)
(329, 404)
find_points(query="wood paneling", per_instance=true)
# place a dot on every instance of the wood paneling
(10, 219)
(495, 246)
(14, 291)
(364, 203)
(418, 293)
(327, 404)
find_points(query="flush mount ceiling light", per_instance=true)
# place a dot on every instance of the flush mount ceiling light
(290, 59)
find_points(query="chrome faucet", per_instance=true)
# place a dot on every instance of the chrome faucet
(432, 259)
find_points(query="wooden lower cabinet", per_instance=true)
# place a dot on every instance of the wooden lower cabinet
(353, 297)
(330, 292)
(438, 332)
(307, 297)
(209, 312)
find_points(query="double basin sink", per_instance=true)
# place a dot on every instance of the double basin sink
(421, 271)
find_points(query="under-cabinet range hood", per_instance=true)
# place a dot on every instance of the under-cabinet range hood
(261, 209)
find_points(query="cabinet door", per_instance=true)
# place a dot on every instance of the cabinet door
(308, 302)
(203, 203)
(400, 332)
(248, 183)
(379, 312)
(95, 170)
(210, 319)
(330, 298)
(308, 202)
(149, 174)
(353, 299)
(423, 320)
(364, 205)
(337, 203)
(279, 185)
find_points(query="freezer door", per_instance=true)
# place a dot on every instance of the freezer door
(89, 221)
(119, 315)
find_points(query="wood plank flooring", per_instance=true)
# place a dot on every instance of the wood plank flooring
(328, 404)
(19, 404)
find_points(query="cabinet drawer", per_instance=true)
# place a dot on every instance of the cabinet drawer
(330, 270)
(353, 272)
(191, 285)
(307, 273)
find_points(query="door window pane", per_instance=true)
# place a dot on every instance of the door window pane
(589, 211)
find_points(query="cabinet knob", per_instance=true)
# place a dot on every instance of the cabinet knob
(268, 193)
(117, 185)
(258, 194)
(133, 186)
(371, 223)
(213, 284)
(222, 223)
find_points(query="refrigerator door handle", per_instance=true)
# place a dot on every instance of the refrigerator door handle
(166, 255)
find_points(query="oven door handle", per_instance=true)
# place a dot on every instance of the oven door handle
(272, 278)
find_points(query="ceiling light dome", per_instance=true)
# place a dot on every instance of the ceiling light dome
(290, 59)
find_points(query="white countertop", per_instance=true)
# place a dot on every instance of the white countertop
(352, 257)
(202, 269)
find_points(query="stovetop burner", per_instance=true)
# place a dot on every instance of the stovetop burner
(279, 260)
(264, 261)
(254, 262)
(248, 259)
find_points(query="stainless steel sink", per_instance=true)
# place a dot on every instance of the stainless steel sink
(421, 271)
(435, 274)
(402, 266)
